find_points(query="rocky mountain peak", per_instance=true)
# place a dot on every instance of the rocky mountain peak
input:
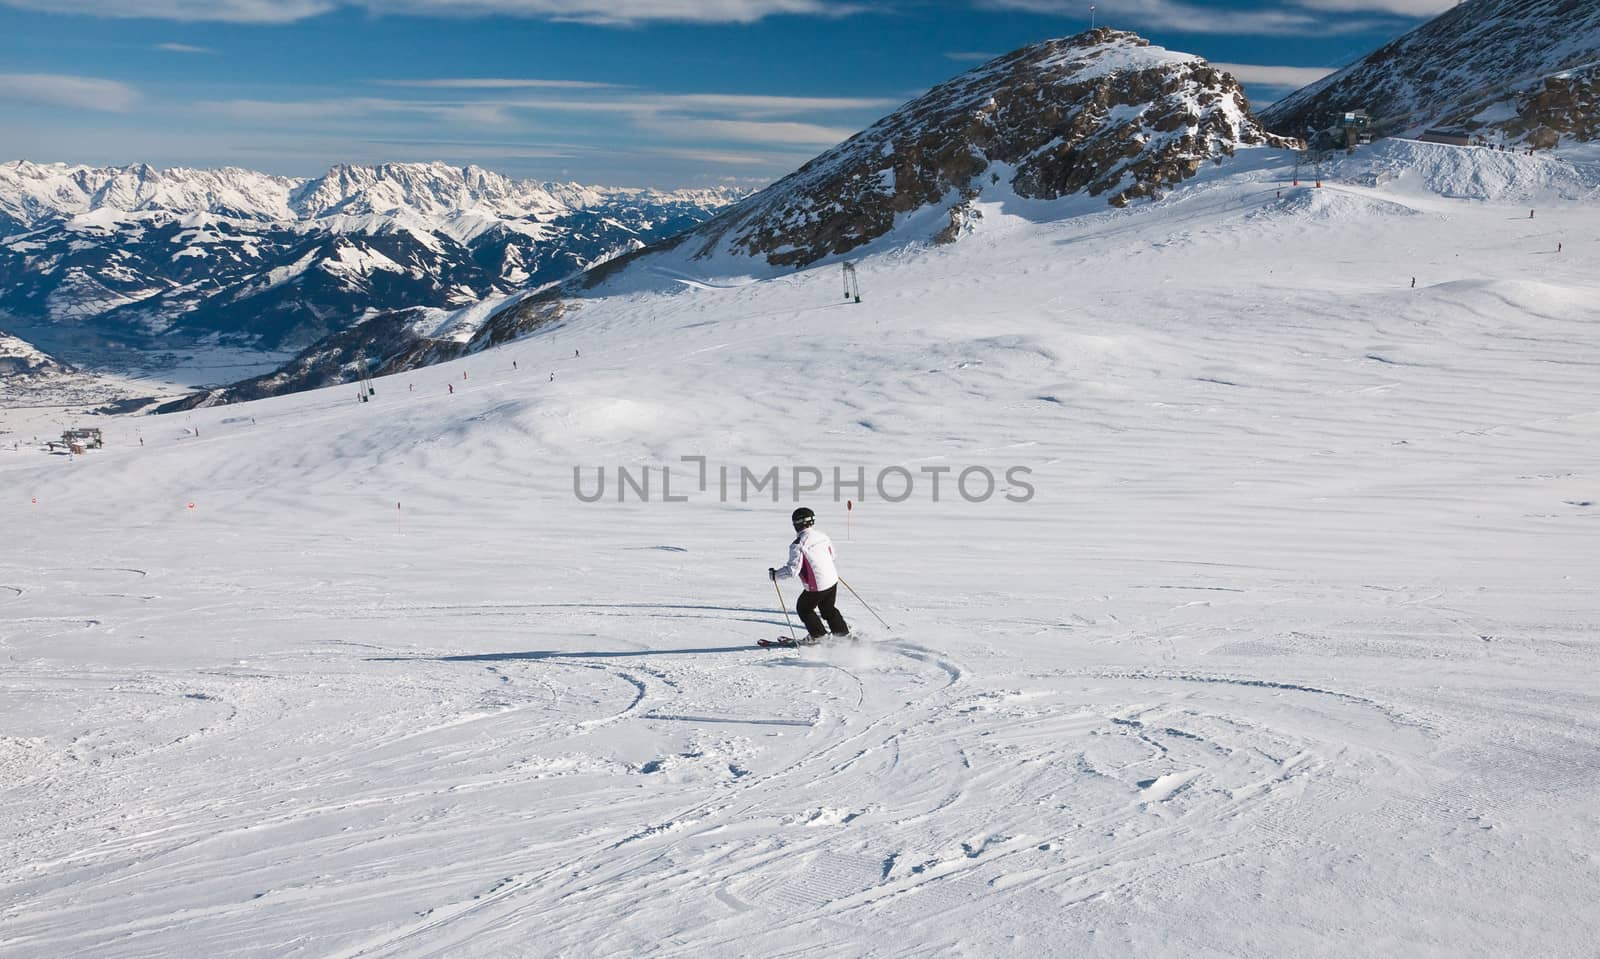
(1103, 113)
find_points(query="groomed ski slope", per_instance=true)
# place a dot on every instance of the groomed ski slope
(1292, 653)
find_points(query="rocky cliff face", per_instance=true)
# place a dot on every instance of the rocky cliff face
(1103, 113)
(1521, 70)
(1553, 110)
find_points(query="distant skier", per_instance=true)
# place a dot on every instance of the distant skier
(811, 560)
(451, 387)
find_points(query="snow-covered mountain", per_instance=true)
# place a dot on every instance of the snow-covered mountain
(1103, 113)
(18, 357)
(1522, 71)
(1103, 118)
(146, 256)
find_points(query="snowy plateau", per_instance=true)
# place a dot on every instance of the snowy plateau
(1292, 651)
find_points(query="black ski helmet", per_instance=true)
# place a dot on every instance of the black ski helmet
(803, 518)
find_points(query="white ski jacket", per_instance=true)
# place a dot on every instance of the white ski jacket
(811, 559)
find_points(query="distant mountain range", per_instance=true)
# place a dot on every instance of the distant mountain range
(1514, 71)
(152, 258)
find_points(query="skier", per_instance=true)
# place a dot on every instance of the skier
(811, 559)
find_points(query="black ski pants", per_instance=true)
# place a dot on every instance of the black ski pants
(810, 603)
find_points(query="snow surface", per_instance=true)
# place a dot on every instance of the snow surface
(1293, 652)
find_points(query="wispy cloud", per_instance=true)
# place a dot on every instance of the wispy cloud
(717, 157)
(295, 112)
(1274, 76)
(61, 90)
(183, 48)
(232, 11)
(600, 99)
(754, 105)
(749, 131)
(668, 118)
(970, 56)
(1404, 8)
(737, 105)
(605, 12)
(472, 149)
(496, 83)
(1190, 18)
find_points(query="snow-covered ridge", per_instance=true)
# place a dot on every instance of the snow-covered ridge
(35, 194)
(1103, 114)
(1523, 71)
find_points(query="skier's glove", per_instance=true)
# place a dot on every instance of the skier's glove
(772, 573)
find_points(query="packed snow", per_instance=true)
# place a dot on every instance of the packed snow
(1289, 649)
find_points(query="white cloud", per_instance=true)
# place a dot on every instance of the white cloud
(1405, 8)
(617, 12)
(747, 131)
(496, 83)
(233, 11)
(740, 106)
(970, 56)
(1274, 76)
(183, 48)
(611, 12)
(294, 112)
(720, 157)
(754, 105)
(1189, 18)
(60, 90)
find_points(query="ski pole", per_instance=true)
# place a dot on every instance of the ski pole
(785, 607)
(863, 602)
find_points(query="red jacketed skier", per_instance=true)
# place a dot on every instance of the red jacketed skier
(811, 560)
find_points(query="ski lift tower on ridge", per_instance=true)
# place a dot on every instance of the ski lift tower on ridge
(1309, 158)
(851, 287)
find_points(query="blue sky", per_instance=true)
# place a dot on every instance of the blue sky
(659, 93)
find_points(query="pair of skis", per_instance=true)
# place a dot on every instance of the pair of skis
(785, 642)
